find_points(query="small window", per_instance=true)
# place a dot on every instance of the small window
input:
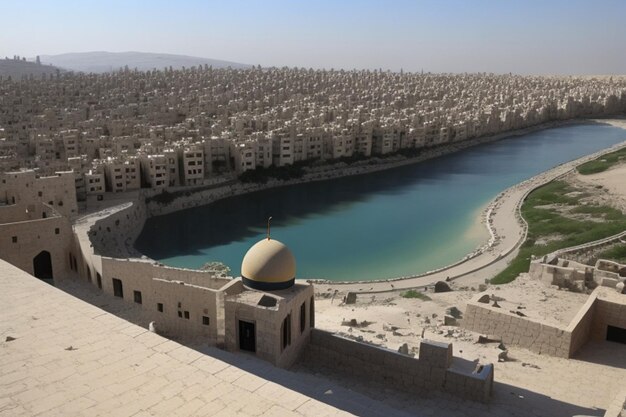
(14, 239)
(56, 230)
(137, 296)
(160, 307)
(187, 315)
(39, 193)
(99, 280)
(286, 331)
(302, 317)
(312, 312)
(205, 320)
(180, 314)
(118, 289)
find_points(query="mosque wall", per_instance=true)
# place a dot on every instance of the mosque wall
(434, 369)
(269, 323)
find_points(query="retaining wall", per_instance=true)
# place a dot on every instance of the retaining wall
(436, 368)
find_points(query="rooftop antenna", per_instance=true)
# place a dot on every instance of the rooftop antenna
(268, 227)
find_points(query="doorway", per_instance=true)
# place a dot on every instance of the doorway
(615, 334)
(247, 336)
(42, 266)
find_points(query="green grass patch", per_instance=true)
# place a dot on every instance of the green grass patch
(415, 294)
(602, 163)
(616, 253)
(545, 221)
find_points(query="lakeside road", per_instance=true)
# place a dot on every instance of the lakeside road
(506, 228)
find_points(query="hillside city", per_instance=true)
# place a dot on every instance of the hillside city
(129, 130)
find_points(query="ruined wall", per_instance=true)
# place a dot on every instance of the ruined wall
(434, 370)
(519, 331)
(604, 307)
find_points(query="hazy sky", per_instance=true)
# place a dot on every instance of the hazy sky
(520, 36)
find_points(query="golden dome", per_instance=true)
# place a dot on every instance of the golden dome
(268, 265)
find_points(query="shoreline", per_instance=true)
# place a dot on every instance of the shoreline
(512, 197)
(329, 172)
(486, 217)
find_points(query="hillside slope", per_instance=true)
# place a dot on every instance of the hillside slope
(99, 62)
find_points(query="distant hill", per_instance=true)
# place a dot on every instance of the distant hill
(17, 69)
(99, 62)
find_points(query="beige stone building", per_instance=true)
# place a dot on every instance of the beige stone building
(122, 174)
(26, 188)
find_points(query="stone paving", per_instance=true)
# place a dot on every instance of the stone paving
(62, 356)
(69, 357)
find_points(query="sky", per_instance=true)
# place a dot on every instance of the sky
(500, 36)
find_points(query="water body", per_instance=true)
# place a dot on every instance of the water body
(397, 222)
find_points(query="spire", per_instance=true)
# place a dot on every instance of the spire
(268, 227)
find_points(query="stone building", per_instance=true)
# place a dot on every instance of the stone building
(27, 188)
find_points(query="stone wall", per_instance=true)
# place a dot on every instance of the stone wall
(115, 234)
(604, 307)
(610, 311)
(268, 324)
(580, 327)
(21, 241)
(436, 368)
(519, 331)
(186, 297)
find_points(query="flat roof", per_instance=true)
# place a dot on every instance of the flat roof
(60, 355)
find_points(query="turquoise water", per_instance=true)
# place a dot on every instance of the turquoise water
(391, 223)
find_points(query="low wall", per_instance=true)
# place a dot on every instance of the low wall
(436, 369)
(604, 307)
(519, 331)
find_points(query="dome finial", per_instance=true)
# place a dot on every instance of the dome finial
(268, 227)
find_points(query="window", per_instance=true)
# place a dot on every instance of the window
(205, 320)
(312, 312)
(14, 239)
(302, 317)
(98, 278)
(56, 230)
(137, 296)
(180, 314)
(286, 331)
(118, 289)
(39, 193)
(160, 307)
(187, 315)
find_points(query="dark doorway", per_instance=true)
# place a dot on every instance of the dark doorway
(247, 339)
(42, 265)
(118, 289)
(99, 280)
(616, 334)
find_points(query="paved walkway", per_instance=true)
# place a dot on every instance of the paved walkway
(60, 356)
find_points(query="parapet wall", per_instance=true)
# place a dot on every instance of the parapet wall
(115, 235)
(436, 368)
